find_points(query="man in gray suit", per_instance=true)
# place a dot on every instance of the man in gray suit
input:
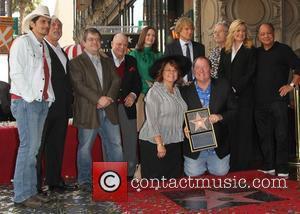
(96, 87)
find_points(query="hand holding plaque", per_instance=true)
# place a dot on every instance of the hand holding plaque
(200, 129)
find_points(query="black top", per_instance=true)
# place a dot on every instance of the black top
(239, 73)
(273, 68)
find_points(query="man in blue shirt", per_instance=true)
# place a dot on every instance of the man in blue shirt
(217, 95)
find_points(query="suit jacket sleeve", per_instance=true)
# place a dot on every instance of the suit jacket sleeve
(167, 51)
(231, 106)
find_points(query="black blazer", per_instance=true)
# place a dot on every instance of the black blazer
(62, 106)
(239, 72)
(221, 102)
(174, 48)
(131, 82)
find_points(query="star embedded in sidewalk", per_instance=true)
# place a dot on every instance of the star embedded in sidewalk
(220, 199)
(199, 122)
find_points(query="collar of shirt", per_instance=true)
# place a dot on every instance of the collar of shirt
(204, 95)
(234, 52)
(34, 39)
(183, 43)
(116, 60)
(59, 53)
(52, 46)
(94, 58)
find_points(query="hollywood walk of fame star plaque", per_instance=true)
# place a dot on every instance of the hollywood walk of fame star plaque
(202, 135)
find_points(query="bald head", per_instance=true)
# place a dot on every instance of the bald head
(119, 45)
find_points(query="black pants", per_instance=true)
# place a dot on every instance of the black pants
(169, 166)
(242, 139)
(272, 126)
(52, 151)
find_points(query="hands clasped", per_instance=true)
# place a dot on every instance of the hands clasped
(104, 101)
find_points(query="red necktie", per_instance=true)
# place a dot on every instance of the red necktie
(46, 74)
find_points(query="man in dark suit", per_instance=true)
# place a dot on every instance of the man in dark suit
(129, 91)
(5, 113)
(96, 87)
(215, 94)
(184, 45)
(55, 128)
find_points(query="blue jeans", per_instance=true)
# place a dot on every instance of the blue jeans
(30, 119)
(111, 144)
(207, 161)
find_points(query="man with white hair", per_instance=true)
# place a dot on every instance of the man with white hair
(32, 94)
(130, 89)
(56, 124)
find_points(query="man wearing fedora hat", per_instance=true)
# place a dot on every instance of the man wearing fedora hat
(32, 94)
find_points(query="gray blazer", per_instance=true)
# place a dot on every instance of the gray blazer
(87, 90)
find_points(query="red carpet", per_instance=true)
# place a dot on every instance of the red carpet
(219, 200)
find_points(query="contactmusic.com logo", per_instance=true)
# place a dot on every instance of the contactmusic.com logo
(110, 181)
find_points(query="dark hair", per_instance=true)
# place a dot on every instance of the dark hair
(141, 41)
(268, 24)
(91, 31)
(34, 20)
(174, 64)
(202, 57)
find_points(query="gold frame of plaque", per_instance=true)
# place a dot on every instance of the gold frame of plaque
(202, 134)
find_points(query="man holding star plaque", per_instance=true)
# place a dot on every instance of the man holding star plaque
(208, 125)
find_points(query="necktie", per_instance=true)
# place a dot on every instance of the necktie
(98, 66)
(188, 55)
(188, 52)
(46, 74)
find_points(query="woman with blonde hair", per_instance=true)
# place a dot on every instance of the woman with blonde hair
(237, 65)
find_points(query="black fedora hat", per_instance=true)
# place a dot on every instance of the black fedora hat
(183, 63)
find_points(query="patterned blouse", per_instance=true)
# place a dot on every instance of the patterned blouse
(214, 57)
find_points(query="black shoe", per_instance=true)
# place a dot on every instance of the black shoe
(62, 186)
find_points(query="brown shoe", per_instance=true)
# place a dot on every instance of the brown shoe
(31, 203)
(42, 198)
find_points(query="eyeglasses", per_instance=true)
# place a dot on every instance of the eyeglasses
(93, 39)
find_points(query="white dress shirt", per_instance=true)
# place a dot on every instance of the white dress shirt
(234, 52)
(59, 53)
(98, 66)
(183, 48)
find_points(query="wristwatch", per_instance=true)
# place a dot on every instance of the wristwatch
(292, 84)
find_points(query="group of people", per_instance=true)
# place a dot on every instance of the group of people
(141, 97)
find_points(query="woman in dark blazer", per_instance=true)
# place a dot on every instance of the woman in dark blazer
(237, 65)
